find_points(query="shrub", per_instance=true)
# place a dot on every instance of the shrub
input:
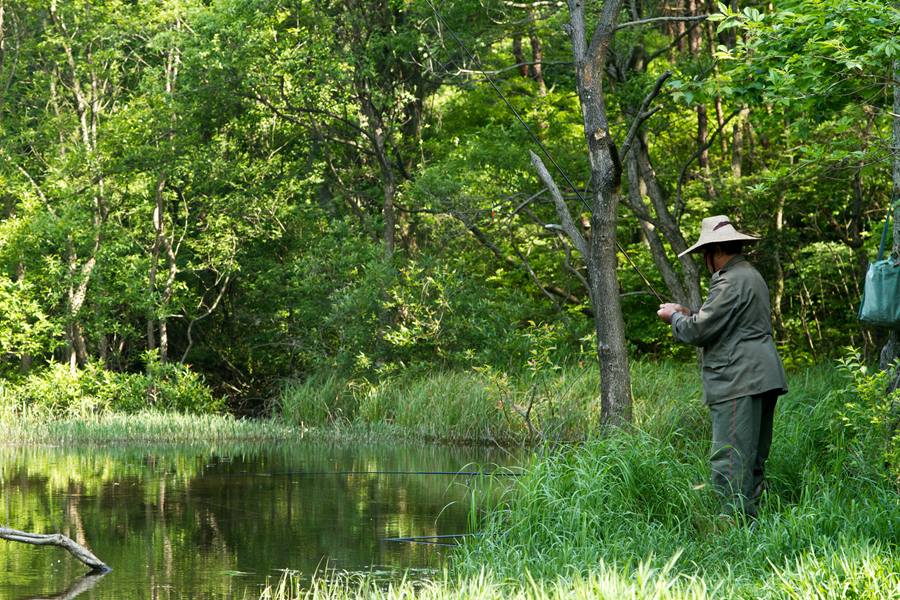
(869, 415)
(56, 391)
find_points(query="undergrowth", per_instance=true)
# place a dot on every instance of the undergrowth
(54, 391)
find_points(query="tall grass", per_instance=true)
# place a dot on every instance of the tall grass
(642, 496)
(632, 515)
(446, 406)
(866, 572)
(603, 583)
(148, 427)
(474, 406)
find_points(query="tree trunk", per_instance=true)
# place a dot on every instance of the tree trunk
(695, 37)
(679, 27)
(669, 226)
(537, 55)
(737, 143)
(78, 354)
(891, 350)
(519, 55)
(606, 173)
(778, 288)
(87, 107)
(154, 262)
(378, 136)
(636, 190)
(703, 159)
(720, 119)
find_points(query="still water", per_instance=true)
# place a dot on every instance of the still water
(220, 521)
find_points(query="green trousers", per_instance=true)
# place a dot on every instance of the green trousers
(742, 437)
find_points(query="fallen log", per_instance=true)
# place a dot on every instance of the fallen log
(55, 539)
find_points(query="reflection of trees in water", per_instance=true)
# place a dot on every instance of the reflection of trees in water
(186, 513)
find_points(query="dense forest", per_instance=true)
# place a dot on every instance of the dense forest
(258, 190)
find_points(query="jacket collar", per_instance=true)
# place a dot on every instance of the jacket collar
(737, 258)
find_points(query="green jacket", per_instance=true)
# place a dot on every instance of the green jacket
(734, 328)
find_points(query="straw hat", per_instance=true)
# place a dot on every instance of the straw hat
(717, 229)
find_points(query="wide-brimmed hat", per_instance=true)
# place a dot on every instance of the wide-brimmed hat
(715, 230)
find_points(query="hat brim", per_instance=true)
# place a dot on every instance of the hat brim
(730, 237)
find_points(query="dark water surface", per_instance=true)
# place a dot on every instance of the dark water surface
(219, 522)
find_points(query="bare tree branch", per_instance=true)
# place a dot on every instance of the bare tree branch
(643, 114)
(203, 316)
(55, 539)
(661, 20)
(531, 273)
(562, 211)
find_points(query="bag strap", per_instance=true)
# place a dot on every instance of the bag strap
(887, 222)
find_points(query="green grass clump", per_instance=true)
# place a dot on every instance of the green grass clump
(482, 405)
(603, 583)
(867, 572)
(449, 406)
(641, 496)
(147, 427)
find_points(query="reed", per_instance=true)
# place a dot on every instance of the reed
(149, 427)
(867, 571)
(603, 583)
(476, 406)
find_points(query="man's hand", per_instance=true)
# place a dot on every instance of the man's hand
(666, 311)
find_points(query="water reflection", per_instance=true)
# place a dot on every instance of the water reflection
(79, 586)
(217, 521)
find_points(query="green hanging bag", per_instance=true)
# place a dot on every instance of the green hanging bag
(881, 293)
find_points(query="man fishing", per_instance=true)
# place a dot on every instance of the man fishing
(742, 372)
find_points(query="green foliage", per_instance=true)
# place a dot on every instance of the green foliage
(25, 329)
(812, 51)
(56, 391)
(248, 122)
(813, 59)
(868, 410)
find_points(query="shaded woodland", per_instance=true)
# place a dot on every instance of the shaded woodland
(257, 190)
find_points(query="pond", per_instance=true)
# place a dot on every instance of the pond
(220, 521)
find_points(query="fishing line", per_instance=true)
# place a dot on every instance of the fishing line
(423, 539)
(538, 142)
(455, 473)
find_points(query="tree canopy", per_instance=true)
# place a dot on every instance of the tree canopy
(257, 190)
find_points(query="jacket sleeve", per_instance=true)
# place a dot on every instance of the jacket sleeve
(707, 324)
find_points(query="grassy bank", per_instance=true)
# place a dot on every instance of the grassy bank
(867, 572)
(631, 514)
(608, 516)
(485, 405)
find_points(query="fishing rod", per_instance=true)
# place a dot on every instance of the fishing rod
(540, 145)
